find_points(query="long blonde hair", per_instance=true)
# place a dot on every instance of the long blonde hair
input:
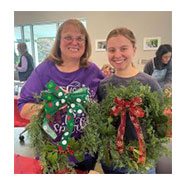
(56, 54)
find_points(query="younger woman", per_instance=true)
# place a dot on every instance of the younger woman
(121, 49)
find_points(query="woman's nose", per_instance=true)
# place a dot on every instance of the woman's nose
(74, 41)
(117, 54)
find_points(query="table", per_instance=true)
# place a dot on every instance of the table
(24, 161)
(164, 165)
(24, 148)
(17, 86)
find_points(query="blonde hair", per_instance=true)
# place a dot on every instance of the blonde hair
(124, 32)
(106, 66)
(56, 54)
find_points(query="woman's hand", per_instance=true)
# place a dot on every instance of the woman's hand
(93, 172)
(30, 109)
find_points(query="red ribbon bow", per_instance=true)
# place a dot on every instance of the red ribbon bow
(134, 112)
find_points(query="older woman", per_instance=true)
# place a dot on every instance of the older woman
(68, 66)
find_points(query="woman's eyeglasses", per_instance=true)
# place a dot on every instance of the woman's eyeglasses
(70, 39)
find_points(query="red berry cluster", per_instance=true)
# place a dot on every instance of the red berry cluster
(67, 151)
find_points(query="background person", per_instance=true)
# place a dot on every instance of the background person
(107, 70)
(160, 67)
(25, 66)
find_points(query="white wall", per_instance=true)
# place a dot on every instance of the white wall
(100, 23)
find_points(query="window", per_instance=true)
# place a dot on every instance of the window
(39, 39)
(44, 36)
(27, 38)
(17, 39)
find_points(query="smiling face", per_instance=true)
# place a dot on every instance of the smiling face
(72, 43)
(120, 53)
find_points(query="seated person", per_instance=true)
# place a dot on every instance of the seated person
(160, 67)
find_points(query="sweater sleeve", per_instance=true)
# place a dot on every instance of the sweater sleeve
(168, 77)
(148, 68)
(32, 87)
(101, 92)
(24, 66)
(102, 88)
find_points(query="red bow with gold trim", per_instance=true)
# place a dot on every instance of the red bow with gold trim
(134, 112)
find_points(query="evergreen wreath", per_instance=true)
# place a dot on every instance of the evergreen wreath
(148, 110)
(54, 157)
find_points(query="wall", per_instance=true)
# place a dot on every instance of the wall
(99, 23)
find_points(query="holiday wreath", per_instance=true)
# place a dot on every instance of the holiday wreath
(54, 156)
(146, 113)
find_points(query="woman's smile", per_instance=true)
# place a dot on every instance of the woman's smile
(73, 49)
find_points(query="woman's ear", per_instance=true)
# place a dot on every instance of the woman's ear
(135, 49)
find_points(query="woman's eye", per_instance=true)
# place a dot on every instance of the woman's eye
(68, 38)
(123, 49)
(111, 50)
(80, 39)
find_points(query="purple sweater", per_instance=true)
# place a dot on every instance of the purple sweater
(46, 71)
